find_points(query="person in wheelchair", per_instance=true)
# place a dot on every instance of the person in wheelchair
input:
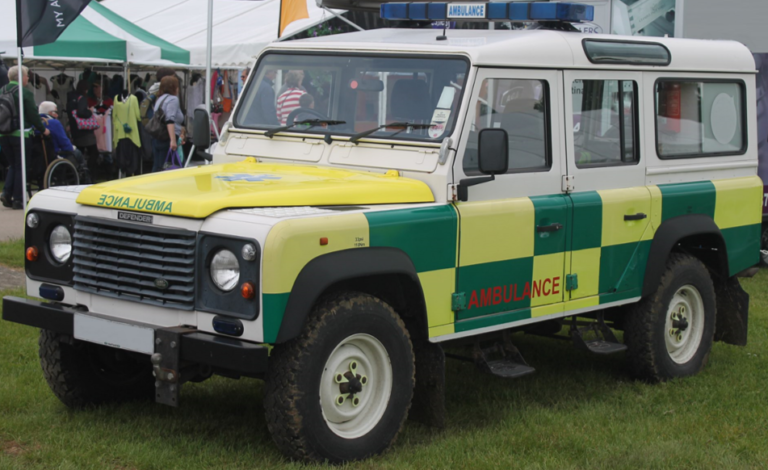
(58, 172)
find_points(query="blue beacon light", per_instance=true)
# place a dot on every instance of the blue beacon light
(491, 11)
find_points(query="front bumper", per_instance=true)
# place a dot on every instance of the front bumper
(175, 349)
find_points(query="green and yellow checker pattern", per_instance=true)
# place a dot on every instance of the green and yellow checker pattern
(427, 234)
(504, 255)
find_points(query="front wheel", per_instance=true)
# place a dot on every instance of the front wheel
(669, 334)
(342, 389)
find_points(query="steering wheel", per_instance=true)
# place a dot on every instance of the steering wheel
(297, 111)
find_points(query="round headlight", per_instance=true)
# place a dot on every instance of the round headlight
(225, 270)
(61, 244)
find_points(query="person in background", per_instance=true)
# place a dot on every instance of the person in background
(10, 144)
(84, 139)
(168, 100)
(306, 101)
(49, 112)
(289, 99)
(148, 110)
(263, 110)
(3, 74)
(285, 81)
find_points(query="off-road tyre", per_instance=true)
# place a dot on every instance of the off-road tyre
(648, 356)
(292, 399)
(82, 374)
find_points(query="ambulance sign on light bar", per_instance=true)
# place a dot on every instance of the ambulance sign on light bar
(466, 10)
(491, 11)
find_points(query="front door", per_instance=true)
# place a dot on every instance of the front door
(512, 233)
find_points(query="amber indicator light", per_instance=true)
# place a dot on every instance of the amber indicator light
(32, 253)
(248, 291)
(324, 241)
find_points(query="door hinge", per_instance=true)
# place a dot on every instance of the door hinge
(458, 301)
(571, 282)
(569, 183)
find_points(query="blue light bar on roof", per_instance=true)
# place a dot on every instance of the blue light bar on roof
(491, 11)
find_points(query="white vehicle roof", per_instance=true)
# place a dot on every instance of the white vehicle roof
(532, 48)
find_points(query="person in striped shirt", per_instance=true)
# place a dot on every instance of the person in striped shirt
(289, 99)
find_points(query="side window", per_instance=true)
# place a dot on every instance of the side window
(604, 122)
(699, 118)
(520, 107)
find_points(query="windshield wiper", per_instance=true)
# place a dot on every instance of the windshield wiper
(404, 125)
(312, 123)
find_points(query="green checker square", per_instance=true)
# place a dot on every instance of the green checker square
(427, 234)
(622, 267)
(687, 198)
(743, 247)
(587, 227)
(550, 210)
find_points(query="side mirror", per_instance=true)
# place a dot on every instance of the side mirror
(201, 128)
(492, 159)
(493, 151)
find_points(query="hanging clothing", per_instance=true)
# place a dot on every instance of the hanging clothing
(61, 85)
(126, 113)
(128, 156)
(101, 142)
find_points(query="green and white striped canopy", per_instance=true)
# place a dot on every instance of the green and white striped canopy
(97, 34)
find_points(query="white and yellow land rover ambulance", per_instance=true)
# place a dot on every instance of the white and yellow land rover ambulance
(443, 188)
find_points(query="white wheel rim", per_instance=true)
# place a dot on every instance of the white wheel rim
(684, 327)
(365, 359)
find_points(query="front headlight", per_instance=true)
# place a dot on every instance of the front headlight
(60, 243)
(225, 270)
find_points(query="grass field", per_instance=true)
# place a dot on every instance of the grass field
(578, 411)
(12, 253)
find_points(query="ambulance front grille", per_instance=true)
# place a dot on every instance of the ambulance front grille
(135, 262)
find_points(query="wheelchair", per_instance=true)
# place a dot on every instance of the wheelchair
(49, 170)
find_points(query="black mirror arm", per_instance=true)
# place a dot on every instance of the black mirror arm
(204, 155)
(462, 190)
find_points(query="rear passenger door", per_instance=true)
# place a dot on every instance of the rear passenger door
(611, 204)
(513, 230)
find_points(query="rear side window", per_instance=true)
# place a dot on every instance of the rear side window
(700, 118)
(604, 127)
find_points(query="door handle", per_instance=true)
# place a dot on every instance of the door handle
(638, 216)
(549, 228)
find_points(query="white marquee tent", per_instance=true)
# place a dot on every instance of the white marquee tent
(97, 35)
(241, 28)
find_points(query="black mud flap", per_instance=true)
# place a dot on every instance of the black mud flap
(428, 404)
(732, 313)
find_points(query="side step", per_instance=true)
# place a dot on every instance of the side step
(601, 341)
(501, 359)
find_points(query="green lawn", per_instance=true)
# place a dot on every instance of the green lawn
(12, 253)
(577, 411)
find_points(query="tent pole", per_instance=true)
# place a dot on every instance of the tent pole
(208, 57)
(22, 137)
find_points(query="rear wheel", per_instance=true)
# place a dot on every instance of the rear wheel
(764, 247)
(61, 172)
(669, 334)
(342, 389)
(81, 373)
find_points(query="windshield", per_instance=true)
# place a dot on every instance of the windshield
(355, 94)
